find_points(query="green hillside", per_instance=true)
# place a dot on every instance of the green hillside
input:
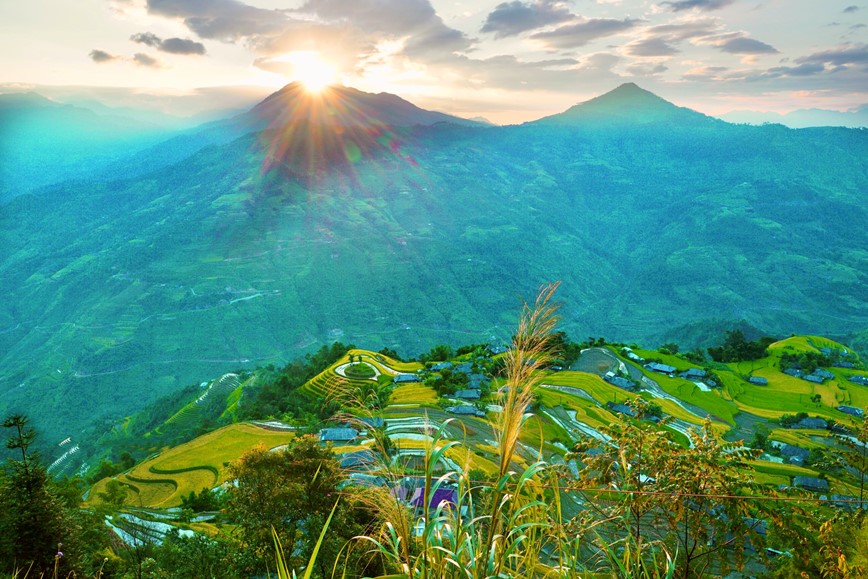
(573, 404)
(128, 290)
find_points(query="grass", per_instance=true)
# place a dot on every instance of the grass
(161, 481)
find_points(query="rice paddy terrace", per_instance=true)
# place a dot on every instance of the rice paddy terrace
(746, 397)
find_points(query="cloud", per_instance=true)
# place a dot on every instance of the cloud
(146, 38)
(685, 31)
(170, 45)
(581, 33)
(744, 45)
(737, 43)
(144, 60)
(706, 74)
(651, 47)
(807, 69)
(513, 18)
(840, 56)
(181, 46)
(850, 9)
(647, 69)
(101, 56)
(697, 4)
(425, 34)
(225, 20)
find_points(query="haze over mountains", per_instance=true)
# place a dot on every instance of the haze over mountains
(362, 218)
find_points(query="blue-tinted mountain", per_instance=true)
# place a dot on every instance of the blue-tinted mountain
(628, 104)
(44, 142)
(295, 232)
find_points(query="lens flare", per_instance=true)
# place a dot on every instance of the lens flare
(309, 68)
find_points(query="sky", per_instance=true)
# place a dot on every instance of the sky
(507, 61)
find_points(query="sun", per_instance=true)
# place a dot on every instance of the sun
(309, 68)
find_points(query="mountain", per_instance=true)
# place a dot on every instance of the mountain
(338, 115)
(627, 104)
(803, 118)
(43, 141)
(265, 244)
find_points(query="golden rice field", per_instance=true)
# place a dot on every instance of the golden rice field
(162, 480)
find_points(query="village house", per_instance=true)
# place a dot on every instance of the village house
(758, 380)
(814, 423)
(471, 394)
(693, 374)
(619, 381)
(811, 483)
(660, 368)
(851, 410)
(465, 410)
(338, 434)
(405, 378)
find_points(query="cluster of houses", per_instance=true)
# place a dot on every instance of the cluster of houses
(792, 454)
(691, 374)
(818, 376)
(475, 383)
(836, 356)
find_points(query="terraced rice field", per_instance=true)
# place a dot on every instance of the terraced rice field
(161, 481)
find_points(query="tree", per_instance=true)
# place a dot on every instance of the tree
(291, 491)
(33, 521)
(681, 499)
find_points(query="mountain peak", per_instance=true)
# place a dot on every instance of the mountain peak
(627, 104)
(343, 105)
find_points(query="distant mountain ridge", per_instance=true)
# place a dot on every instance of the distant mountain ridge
(249, 248)
(628, 103)
(803, 118)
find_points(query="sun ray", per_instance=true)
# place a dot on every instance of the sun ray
(309, 68)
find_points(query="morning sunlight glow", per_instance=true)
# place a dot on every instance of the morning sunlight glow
(311, 70)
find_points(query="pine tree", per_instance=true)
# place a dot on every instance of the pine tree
(33, 521)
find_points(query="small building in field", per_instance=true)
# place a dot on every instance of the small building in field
(464, 368)
(693, 374)
(813, 423)
(851, 410)
(758, 380)
(406, 378)
(861, 380)
(468, 394)
(660, 368)
(441, 366)
(621, 409)
(619, 381)
(811, 483)
(794, 454)
(338, 434)
(815, 378)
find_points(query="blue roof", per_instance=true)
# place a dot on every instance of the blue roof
(811, 483)
(758, 380)
(622, 409)
(406, 378)
(663, 368)
(337, 434)
(468, 394)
